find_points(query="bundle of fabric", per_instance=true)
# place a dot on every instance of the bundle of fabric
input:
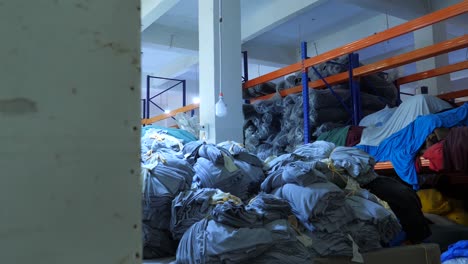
(216, 167)
(154, 139)
(339, 162)
(190, 124)
(182, 135)
(259, 90)
(192, 206)
(165, 175)
(402, 147)
(264, 239)
(380, 222)
(456, 254)
(378, 118)
(405, 204)
(405, 114)
(455, 150)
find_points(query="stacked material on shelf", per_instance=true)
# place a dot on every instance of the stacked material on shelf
(406, 113)
(378, 118)
(238, 173)
(266, 235)
(164, 176)
(402, 147)
(307, 180)
(275, 126)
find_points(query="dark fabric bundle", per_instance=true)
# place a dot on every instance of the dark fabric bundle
(456, 150)
(157, 243)
(405, 204)
(236, 235)
(163, 178)
(270, 207)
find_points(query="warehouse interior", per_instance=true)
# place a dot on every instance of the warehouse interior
(234, 131)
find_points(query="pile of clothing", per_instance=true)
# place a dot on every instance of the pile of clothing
(228, 167)
(165, 175)
(456, 253)
(334, 217)
(402, 147)
(236, 233)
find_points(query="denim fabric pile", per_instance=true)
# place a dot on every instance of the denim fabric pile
(221, 204)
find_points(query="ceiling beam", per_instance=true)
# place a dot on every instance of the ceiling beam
(152, 10)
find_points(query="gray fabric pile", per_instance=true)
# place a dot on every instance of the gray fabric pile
(229, 169)
(192, 206)
(321, 183)
(266, 237)
(276, 126)
(164, 176)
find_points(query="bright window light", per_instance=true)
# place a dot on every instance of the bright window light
(196, 100)
(167, 111)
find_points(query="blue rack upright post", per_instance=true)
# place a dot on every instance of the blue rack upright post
(355, 88)
(305, 93)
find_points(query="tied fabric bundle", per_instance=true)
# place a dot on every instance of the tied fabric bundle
(216, 239)
(239, 173)
(163, 178)
(191, 206)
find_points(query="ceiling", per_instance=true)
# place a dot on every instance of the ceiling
(311, 24)
(314, 24)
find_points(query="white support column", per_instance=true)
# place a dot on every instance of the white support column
(230, 126)
(429, 36)
(70, 188)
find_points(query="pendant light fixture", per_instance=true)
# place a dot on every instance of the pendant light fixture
(221, 107)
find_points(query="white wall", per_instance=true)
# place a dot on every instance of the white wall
(69, 112)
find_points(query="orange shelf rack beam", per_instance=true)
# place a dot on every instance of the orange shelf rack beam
(433, 73)
(388, 165)
(184, 109)
(385, 35)
(406, 58)
(454, 95)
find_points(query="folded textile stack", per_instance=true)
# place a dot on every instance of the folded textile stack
(339, 162)
(264, 240)
(334, 218)
(215, 167)
(192, 206)
(381, 223)
(164, 176)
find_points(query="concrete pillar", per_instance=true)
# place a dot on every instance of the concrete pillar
(230, 126)
(70, 112)
(429, 36)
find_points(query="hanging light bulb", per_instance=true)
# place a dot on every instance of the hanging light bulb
(221, 108)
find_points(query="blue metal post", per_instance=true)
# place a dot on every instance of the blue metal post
(305, 92)
(144, 107)
(246, 66)
(354, 87)
(184, 93)
(148, 99)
